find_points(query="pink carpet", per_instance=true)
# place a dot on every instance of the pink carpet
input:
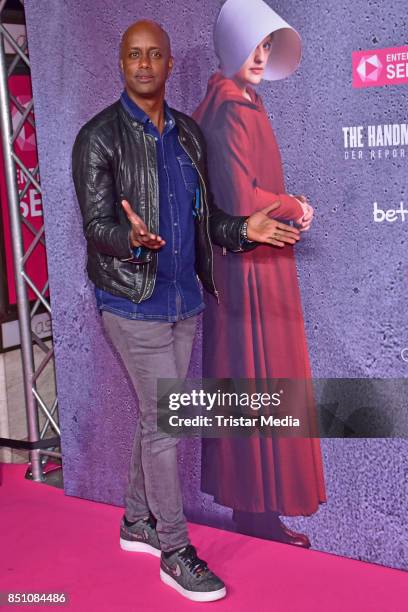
(53, 543)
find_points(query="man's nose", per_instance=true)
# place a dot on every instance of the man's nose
(144, 60)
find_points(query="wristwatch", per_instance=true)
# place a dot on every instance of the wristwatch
(244, 231)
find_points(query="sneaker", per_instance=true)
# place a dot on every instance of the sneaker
(141, 536)
(190, 576)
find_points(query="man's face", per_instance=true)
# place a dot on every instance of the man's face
(145, 60)
(252, 71)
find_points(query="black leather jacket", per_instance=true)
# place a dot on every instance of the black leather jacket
(113, 159)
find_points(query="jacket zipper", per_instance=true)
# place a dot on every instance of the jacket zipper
(206, 224)
(148, 210)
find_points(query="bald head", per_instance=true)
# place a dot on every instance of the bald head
(145, 26)
(145, 60)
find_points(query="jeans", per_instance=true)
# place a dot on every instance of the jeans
(152, 350)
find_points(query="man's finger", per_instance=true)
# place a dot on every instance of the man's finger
(150, 238)
(127, 207)
(134, 218)
(287, 235)
(155, 245)
(287, 228)
(280, 240)
(287, 240)
(270, 208)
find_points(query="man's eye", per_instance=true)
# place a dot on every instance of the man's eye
(156, 54)
(267, 46)
(134, 53)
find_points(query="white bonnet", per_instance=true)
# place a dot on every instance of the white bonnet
(242, 25)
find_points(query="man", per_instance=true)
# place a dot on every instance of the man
(139, 166)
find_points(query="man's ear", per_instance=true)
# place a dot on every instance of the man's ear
(121, 65)
(171, 63)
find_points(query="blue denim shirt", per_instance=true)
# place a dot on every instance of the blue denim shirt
(177, 293)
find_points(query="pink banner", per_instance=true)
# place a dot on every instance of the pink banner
(31, 206)
(380, 67)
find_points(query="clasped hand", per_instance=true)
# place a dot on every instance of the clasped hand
(305, 221)
(261, 228)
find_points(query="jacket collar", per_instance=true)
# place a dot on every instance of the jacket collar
(138, 114)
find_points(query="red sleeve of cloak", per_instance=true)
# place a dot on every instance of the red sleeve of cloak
(232, 148)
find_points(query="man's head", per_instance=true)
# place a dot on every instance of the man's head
(145, 59)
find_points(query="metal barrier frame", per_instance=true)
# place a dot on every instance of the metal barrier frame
(39, 453)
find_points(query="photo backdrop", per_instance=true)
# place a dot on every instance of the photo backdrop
(352, 264)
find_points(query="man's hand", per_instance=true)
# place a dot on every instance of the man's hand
(305, 221)
(261, 228)
(140, 236)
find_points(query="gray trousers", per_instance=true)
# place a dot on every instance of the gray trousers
(152, 350)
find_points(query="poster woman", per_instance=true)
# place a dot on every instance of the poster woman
(257, 331)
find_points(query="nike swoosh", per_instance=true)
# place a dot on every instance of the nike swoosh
(176, 571)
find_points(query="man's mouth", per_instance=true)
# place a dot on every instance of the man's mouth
(257, 70)
(144, 78)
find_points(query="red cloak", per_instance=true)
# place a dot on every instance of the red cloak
(257, 330)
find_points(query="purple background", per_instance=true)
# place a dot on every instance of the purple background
(352, 272)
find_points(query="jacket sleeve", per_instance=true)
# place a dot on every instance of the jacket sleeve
(225, 229)
(95, 190)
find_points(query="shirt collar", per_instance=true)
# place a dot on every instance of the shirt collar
(137, 113)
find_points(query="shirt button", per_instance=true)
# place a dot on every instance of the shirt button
(175, 252)
(170, 195)
(176, 224)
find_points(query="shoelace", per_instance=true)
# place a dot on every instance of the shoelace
(193, 563)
